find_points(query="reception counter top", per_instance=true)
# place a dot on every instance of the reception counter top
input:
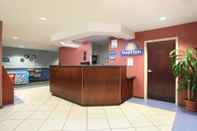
(91, 85)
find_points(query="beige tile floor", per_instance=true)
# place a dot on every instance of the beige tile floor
(35, 109)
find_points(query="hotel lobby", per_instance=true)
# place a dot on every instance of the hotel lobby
(102, 65)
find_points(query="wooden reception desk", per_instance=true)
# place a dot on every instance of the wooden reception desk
(91, 85)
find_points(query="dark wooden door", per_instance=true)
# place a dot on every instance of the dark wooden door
(161, 83)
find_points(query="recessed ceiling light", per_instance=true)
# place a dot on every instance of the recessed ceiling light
(163, 18)
(43, 18)
(69, 44)
(15, 37)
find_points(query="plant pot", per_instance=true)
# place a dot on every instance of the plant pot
(191, 106)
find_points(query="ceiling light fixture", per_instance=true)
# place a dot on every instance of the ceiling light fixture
(69, 44)
(163, 18)
(15, 37)
(43, 18)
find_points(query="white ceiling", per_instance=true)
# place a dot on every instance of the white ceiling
(21, 17)
(94, 39)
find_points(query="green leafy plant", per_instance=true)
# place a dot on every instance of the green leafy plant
(184, 67)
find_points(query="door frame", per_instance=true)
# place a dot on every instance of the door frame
(146, 66)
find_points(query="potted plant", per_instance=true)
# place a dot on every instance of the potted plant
(184, 67)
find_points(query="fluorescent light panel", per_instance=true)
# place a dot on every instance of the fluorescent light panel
(43, 18)
(69, 44)
(163, 18)
(15, 37)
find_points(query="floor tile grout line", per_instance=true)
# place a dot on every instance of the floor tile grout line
(43, 103)
(87, 119)
(106, 117)
(47, 118)
(28, 116)
(158, 126)
(19, 118)
(18, 124)
(21, 122)
(66, 117)
(148, 119)
(151, 121)
(127, 118)
(10, 116)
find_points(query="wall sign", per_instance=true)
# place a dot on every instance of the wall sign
(134, 52)
(132, 49)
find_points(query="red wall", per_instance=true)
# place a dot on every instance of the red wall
(187, 36)
(73, 56)
(1, 24)
(131, 71)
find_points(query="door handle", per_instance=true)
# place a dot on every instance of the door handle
(149, 71)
